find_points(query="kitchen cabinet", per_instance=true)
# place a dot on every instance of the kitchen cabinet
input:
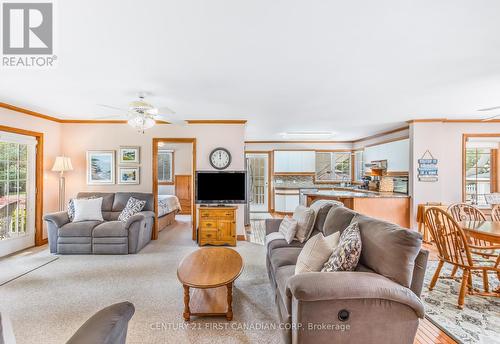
(286, 201)
(396, 153)
(294, 161)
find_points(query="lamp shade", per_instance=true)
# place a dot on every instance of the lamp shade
(62, 164)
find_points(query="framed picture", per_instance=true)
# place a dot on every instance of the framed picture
(130, 155)
(128, 175)
(100, 167)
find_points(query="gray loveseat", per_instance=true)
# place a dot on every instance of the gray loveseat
(377, 303)
(103, 237)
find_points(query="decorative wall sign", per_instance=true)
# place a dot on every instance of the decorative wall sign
(427, 168)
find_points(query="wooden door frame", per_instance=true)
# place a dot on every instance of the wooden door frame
(464, 144)
(270, 209)
(157, 140)
(39, 240)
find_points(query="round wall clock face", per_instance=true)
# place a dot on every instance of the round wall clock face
(220, 158)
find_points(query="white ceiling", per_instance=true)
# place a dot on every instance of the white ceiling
(353, 67)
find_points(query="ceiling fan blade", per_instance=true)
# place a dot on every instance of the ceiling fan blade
(169, 119)
(489, 109)
(112, 107)
(490, 118)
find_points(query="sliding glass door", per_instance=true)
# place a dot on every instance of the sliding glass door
(17, 192)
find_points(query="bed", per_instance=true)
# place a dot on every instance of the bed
(168, 206)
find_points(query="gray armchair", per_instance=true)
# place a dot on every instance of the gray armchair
(103, 237)
(108, 326)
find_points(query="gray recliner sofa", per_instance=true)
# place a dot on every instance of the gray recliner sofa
(377, 303)
(103, 237)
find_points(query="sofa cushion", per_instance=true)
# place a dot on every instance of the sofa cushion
(315, 253)
(133, 206)
(121, 199)
(305, 222)
(338, 219)
(278, 243)
(78, 229)
(6, 331)
(388, 249)
(110, 229)
(284, 256)
(288, 227)
(283, 274)
(107, 198)
(321, 207)
(345, 256)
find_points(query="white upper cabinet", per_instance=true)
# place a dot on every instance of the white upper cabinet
(294, 161)
(396, 153)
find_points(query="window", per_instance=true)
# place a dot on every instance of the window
(333, 166)
(477, 175)
(165, 167)
(359, 166)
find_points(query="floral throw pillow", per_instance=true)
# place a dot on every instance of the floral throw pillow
(346, 256)
(133, 206)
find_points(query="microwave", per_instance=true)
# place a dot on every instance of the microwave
(401, 185)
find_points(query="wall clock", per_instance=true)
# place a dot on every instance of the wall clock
(220, 158)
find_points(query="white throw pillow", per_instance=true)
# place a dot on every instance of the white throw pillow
(6, 331)
(316, 252)
(288, 227)
(88, 209)
(305, 221)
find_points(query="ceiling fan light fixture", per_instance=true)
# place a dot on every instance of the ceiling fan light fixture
(141, 122)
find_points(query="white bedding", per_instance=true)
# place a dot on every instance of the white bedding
(167, 204)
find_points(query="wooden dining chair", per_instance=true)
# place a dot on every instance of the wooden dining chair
(495, 213)
(454, 248)
(465, 212)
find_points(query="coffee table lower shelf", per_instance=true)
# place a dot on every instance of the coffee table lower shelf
(208, 302)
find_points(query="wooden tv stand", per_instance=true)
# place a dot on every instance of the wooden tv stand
(217, 226)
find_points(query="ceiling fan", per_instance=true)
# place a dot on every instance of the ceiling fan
(490, 109)
(141, 115)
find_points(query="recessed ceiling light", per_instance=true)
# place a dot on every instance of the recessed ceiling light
(308, 134)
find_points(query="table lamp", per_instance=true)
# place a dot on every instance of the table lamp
(62, 164)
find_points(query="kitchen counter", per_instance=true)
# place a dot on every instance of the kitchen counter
(328, 187)
(355, 194)
(388, 206)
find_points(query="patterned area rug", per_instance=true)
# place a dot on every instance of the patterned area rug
(478, 322)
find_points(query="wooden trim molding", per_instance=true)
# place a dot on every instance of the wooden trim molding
(155, 142)
(446, 120)
(384, 133)
(216, 121)
(310, 141)
(39, 240)
(240, 237)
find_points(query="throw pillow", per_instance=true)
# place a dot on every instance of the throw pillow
(71, 207)
(288, 227)
(88, 209)
(315, 253)
(133, 206)
(305, 221)
(346, 256)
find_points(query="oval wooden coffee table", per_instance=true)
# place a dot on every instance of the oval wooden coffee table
(211, 272)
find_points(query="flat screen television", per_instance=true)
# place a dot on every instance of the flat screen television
(220, 187)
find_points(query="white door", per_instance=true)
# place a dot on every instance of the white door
(258, 167)
(17, 192)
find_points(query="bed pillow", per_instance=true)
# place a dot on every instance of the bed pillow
(346, 256)
(316, 252)
(288, 227)
(133, 206)
(88, 209)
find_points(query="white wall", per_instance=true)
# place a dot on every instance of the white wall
(78, 138)
(269, 146)
(397, 154)
(444, 141)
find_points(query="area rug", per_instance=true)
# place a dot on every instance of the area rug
(478, 322)
(62, 295)
(15, 266)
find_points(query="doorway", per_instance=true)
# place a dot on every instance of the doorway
(259, 178)
(18, 164)
(174, 166)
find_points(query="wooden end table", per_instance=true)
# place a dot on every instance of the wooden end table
(210, 272)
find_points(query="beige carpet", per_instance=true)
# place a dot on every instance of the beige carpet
(49, 304)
